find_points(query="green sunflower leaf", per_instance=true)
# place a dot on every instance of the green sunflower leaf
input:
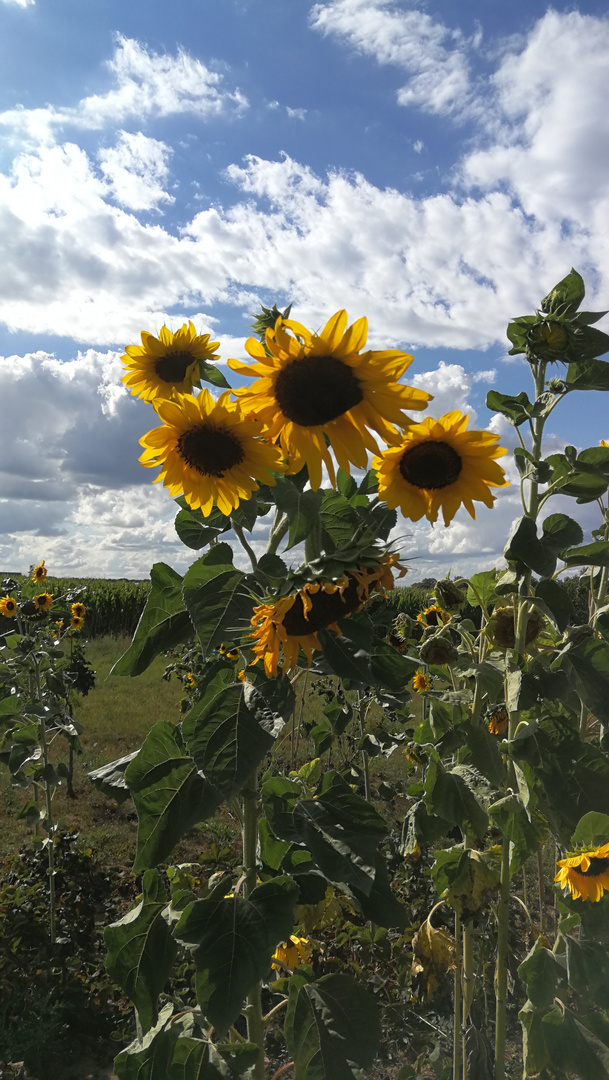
(169, 794)
(232, 942)
(164, 623)
(588, 375)
(516, 409)
(217, 597)
(141, 950)
(592, 831)
(210, 373)
(565, 297)
(596, 554)
(302, 508)
(332, 1028)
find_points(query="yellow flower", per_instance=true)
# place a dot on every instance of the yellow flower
(76, 622)
(228, 652)
(79, 610)
(585, 873)
(421, 682)
(162, 367)
(208, 452)
(603, 443)
(433, 616)
(8, 606)
(189, 679)
(293, 621)
(43, 601)
(440, 465)
(39, 572)
(499, 722)
(292, 953)
(313, 387)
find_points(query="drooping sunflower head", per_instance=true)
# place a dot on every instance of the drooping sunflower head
(421, 682)
(76, 622)
(585, 873)
(43, 601)
(79, 610)
(8, 606)
(316, 387)
(499, 722)
(39, 572)
(439, 465)
(162, 367)
(501, 627)
(433, 616)
(439, 649)
(209, 453)
(292, 622)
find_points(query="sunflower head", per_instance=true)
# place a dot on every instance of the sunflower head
(162, 367)
(292, 953)
(312, 390)
(585, 873)
(439, 465)
(438, 649)
(549, 340)
(501, 626)
(79, 610)
(209, 453)
(8, 606)
(43, 601)
(451, 597)
(499, 722)
(190, 680)
(229, 652)
(421, 682)
(433, 616)
(39, 572)
(76, 622)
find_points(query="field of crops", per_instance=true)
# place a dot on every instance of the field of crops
(113, 605)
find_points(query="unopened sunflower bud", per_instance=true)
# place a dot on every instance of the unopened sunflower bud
(548, 340)
(438, 649)
(450, 596)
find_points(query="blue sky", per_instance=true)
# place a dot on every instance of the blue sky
(437, 167)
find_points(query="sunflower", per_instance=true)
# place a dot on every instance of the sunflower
(585, 873)
(293, 621)
(440, 465)
(43, 601)
(499, 722)
(433, 616)
(292, 953)
(229, 652)
(79, 610)
(209, 452)
(313, 387)
(605, 444)
(162, 367)
(421, 682)
(8, 607)
(76, 622)
(39, 572)
(189, 679)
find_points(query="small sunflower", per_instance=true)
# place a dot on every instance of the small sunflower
(293, 621)
(605, 444)
(208, 452)
(585, 874)
(433, 616)
(39, 572)
(317, 387)
(293, 953)
(79, 610)
(76, 622)
(229, 652)
(499, 722)
(43, 601)
(439, 466)
(8, 607)
(190, 680)
(421, 682)
(161, 367)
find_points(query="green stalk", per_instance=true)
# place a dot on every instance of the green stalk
(361, 712)
(503, 912)
(253, 1010)
(238, 531)
(50, 829)
(457, 1047)
(279, 528)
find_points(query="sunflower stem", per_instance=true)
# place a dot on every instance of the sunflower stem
(238, 531)
(457, 1002)
(501, 972)
(253, 1009)
(279, 528)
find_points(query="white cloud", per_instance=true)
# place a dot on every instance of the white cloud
(136, 170)
(433, 56)
(147, 85)
(296, 114)
(20, 3)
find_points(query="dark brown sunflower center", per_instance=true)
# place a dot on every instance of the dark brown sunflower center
(316, 390)
(596, 868)
(172, 368)
(210, 450)
(326, 609)
(431, 465)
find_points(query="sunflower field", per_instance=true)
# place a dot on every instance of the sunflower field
(430, 856)
(113, 606)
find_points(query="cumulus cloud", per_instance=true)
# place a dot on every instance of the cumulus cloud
(20, 3)
(433, 56)
(136, 169)
(147, 85)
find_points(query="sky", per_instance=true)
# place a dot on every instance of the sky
(437, 167)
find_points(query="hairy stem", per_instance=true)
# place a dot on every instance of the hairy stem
(457, 1048)
(238, 531)
(503, 912)
(253, 1010)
